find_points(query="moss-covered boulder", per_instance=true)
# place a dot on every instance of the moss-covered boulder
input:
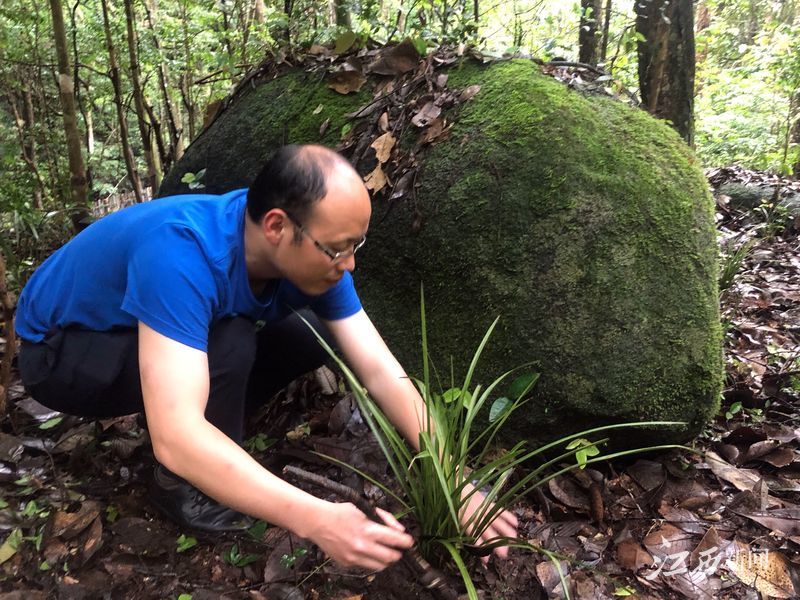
(584, 223)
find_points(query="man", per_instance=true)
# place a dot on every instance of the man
(154, 308)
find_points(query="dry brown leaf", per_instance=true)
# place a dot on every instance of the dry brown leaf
(781, 457)
(396, 60)
(316, 50)
(786, 521)
(566, 491)
(383, 147)
(668, 540)
(376, 180)
(426, 114)
(383, 121)
(346, 82)
(742, 479)
(767, 571)
(66, 525)
(631, 555)
(469, 93)
(432, 131)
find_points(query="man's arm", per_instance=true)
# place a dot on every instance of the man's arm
(378, 370)
(175, 389)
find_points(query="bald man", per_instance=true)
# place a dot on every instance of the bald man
(185, 308)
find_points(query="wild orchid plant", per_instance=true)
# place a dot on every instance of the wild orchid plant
(457, 458)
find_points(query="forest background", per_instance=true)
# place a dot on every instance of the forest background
(117, 90)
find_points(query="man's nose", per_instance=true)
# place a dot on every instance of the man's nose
(347, 264)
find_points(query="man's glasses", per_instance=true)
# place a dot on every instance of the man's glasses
(334, 255)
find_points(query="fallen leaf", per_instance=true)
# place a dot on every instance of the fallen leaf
(66, 525)
(765, 571)
(383, 147)
(432, 131)
(667, 540)
(286, 559)
(376, 180)
(317, 50)
(426, 114)
(346, 82)
(785, 521)
(396, 60)
(383, 121)
(742, 479)
(781, 457)
(759, 449)
(631, 555)
(324, 127)
(469, 93)
(567, 492)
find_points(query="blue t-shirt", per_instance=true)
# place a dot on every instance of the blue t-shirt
(177, 264)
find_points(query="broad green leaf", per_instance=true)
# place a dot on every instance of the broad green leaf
(521, 384)
(50, 423)
(187, 178)
(499, 406)
(9, 547)
(344, 42)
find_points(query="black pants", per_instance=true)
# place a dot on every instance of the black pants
(96, 373)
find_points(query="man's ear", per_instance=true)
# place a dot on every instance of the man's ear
(274, 224)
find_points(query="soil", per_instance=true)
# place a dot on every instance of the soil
(720, 521)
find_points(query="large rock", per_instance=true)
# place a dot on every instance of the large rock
(584, 223)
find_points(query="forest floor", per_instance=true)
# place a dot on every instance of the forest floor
(720, 523)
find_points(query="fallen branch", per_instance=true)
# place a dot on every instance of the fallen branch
(429, 577)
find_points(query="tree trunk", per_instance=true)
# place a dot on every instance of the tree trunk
(175, 134)
(606, 24)
(113, 72)
(260, 12)
(7, 314)
(188, 74)
(150, 156)
(667, 61)
(23, 120)
(587, 36)
(66, 91)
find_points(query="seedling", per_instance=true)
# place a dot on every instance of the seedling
(233, 557)
(185, 542)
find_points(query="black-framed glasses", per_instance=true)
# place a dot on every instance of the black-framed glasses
(334, 255)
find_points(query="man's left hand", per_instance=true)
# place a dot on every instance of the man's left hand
(504, 524)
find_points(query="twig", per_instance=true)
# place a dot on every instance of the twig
(429, 577)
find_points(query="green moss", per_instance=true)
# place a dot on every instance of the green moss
(584, 223)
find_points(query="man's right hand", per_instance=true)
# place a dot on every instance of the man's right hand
(350, 538)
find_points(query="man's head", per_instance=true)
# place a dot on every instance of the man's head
(313, 209)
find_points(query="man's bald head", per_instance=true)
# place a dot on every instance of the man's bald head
(296, 178)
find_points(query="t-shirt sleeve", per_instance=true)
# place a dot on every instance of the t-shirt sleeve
(171, 287)
(339, 302)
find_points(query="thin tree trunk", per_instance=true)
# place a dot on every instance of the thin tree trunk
(66, 90)
(175, 134)
(113, 71)
(188, 74)
(7, 314)
(667, 61)
(260, 12)
(587, 36)
(150, 156)
(606, 26)
(24, 125)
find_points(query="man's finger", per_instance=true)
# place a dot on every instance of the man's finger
(389, 519)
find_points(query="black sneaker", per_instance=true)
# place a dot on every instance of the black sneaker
(190, 508)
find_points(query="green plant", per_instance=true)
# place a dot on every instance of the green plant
(232, 556)
(185, 542)
(258, 443)
(289, 560)
(730, 262)
(454, 461)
